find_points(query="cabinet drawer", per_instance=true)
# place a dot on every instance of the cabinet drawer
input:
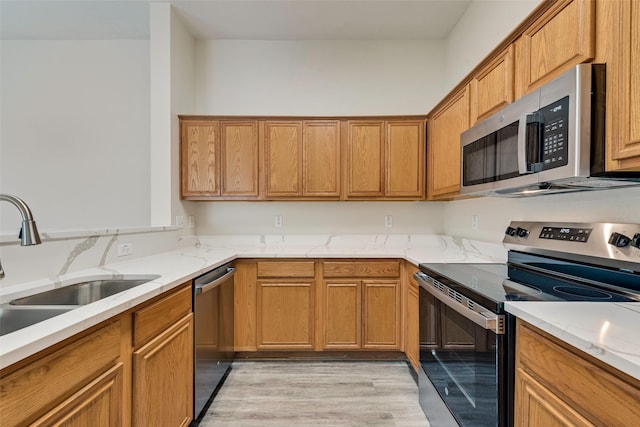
(155, 318)
(29, 391)
(601, 395)
(361, 269)
(286, 268)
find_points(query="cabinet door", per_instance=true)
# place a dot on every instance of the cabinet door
(365, 159)
(321, 167)
(98, 404)
(283, 159)
(492, 87)
(285, 314)
(443, 145)
(200, 146)
(621, 30)
(412, 338)
(405, 159)
(342, 315)
(163, 378)
(239, 152)
(381, 317)
(561, 38)
(535, 405)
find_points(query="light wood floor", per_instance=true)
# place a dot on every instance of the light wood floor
(317, 394)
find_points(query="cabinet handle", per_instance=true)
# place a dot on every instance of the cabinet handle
(202, 288)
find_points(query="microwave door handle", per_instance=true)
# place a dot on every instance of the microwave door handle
(522, 146)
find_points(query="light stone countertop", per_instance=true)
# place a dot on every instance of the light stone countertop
(604, 330)
(199, 254)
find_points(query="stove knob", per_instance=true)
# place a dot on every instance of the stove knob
(619, 240)
(510, 231)
(522, 232)
(635, 241)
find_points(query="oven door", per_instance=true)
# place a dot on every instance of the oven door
(463, 358)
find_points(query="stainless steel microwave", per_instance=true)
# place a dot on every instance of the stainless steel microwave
(551, 140)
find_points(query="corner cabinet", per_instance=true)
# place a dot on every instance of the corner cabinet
(558, 385)
(492, 87)
(446, 123)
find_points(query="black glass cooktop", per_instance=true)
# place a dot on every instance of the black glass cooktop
(492, 284)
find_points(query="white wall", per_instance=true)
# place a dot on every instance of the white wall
(75, 132)
(483, 26)
(341, 77)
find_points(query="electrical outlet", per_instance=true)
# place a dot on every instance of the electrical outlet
(192, 221)
(277, 221)
(125, 249)
(388, 221)
(180, 221)
(474, 222)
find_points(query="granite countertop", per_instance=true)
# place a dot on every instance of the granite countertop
(202, 253)
(604, 330)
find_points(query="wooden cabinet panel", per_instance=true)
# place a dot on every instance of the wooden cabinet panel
(342, 315)
(285, 314)
(412, 319)
(381, 315)
(244, 313)
(321, 166)
(618, 31)
(538, 406)
(286, 268)
(98, 404)
(239, 153)
(283, 158)
(155, 318)
(30, 390)
(492, 87)
(443, 146)
(598, 393)
(365, 159)
(430, 325)
(561, 38)
(163, 378)
(354, 268)
(200, 158)
(405, 159)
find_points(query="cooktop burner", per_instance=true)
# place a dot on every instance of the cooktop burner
(586, 293)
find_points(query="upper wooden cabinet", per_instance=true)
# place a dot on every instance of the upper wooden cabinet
(618, 45)
(492, 87)
(283, 158)
(219, 159)
(385, 159)
(562, 37)
(443, 145)
(321, 158)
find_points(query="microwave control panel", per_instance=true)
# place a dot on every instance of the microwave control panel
(554, 150)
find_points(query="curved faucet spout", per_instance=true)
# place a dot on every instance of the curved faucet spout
(28, 231)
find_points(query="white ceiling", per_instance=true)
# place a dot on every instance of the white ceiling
(234, 19)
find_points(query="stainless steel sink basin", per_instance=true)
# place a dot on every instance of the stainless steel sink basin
(82, 293)
(14, 318)
(26, 311)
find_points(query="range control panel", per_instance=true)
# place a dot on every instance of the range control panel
(613, 244)
(566, 233)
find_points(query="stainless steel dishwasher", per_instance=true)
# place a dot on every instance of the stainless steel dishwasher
(214, 351)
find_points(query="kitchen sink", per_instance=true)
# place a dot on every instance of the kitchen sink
(26, 311)
(13, 318)
(82, 293)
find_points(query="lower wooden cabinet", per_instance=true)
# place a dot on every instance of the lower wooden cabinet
(558, 385)
(412, 317)
(163, 378)
(342, 315)
(381, 314)
(100, 378)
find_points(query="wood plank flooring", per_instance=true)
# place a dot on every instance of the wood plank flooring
(317, 393)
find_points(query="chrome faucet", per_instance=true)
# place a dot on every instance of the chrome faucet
(28, 231)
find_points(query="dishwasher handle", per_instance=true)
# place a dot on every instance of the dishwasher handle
(201, 288)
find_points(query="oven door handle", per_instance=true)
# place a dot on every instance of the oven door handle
(479, 315)
(202, 288)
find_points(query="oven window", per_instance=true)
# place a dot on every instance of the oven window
(460, 358)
